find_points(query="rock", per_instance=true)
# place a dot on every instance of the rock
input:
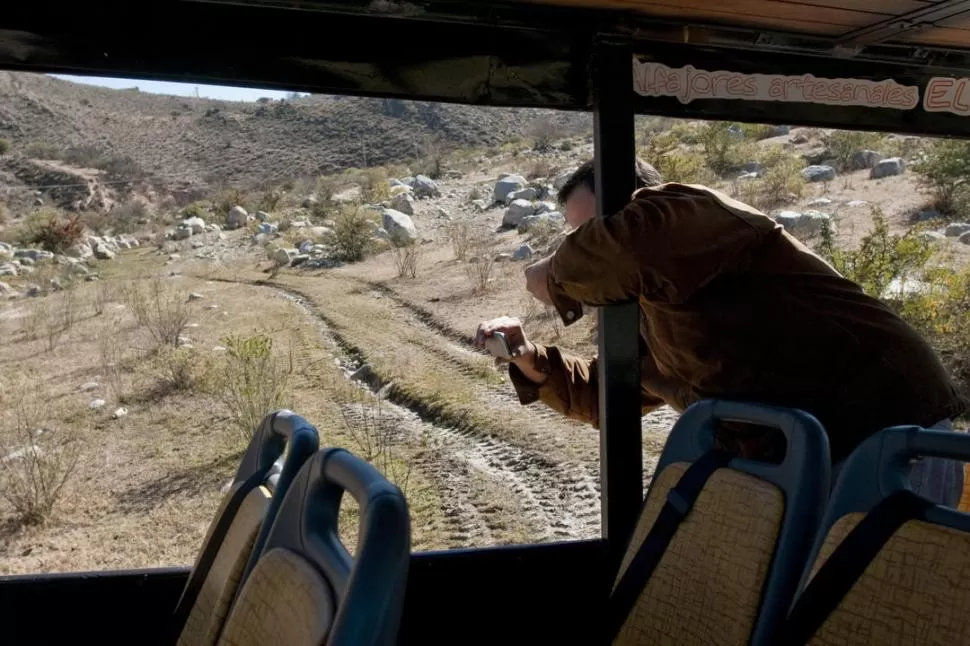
(180, 233)
(237, 217)
(503, 256)
(282, 257)
(34, 255)
(6, 290)
(523, 253)
(197, 225)
(934, 236)
(561, 178)
(818, 173)
(506, 185)
(268, 228)
(403, 203)
(528, 193)
(102, 252)
(820, 201)
(855, 203)
(299, 259)
(96, 404)
(425, 187)
(518, 210)
(309, 202)
(926, 216)
(33, 290)
(753, 168)
(119, 413)
(89, 386)
(262, 216)
(864, 159)
(809, 223)
(300, 224)
(545, 207)
(441, 213)
(780, 131)
(888, 168)
(6, 249)
(965, 238)
(956, 229)
(399, 226)
(8, 269)
(195, 296)
(552, 218)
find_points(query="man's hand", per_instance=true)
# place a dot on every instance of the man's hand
(519, 345)
(523, 350)
(537, 280)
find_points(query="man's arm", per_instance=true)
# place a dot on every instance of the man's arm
(569, 385)
(666, 244)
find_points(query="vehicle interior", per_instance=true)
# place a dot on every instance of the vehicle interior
(715, 552)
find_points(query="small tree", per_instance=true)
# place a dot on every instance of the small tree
(352, 234)
(945, 168)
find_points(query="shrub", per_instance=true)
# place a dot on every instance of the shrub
(42, 150)
(38, 459)
(352, 234)
(881, 257)
(481, 265)
(945, 168)
(59, 233)
(160, 309)
(459, 237)
(254, 381)
(843, 144)
(5, 147)
(406, 259)
(724, 150)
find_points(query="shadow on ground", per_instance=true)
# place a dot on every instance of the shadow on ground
(190, 482)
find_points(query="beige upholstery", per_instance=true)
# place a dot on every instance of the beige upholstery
(207, 615)
(914, 592)
(707, 587)
(285, 600)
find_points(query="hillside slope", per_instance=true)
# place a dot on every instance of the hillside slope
(181, 140)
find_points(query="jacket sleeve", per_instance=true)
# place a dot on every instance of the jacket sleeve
(665, 245)
(571, 387)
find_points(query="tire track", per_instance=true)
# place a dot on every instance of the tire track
(655, 425)
(558, 500)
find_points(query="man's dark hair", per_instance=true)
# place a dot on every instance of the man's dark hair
(585, 175)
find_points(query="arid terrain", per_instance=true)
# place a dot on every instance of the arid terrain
(141, 319)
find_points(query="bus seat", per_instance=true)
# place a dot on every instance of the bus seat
(305, 588)
(731, 567)
(888, 566)
(240, 525)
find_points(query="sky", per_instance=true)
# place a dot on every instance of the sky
(225, 93)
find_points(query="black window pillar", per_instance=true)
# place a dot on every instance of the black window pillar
(621, 461)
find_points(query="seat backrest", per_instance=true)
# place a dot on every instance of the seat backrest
(728, 574)
(306, 589)
(241, 525)
(892, 577)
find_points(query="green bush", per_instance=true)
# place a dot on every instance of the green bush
(724, 150)
(842, 144)
(353, 233)
(945, 168)
(254, 381)
(881, 257)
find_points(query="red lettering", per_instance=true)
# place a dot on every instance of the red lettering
(937, 94)
(959, 95)
(777, 89)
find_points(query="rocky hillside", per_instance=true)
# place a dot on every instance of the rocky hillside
(180, 141)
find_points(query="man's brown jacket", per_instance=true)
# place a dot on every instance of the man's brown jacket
(732, 306)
